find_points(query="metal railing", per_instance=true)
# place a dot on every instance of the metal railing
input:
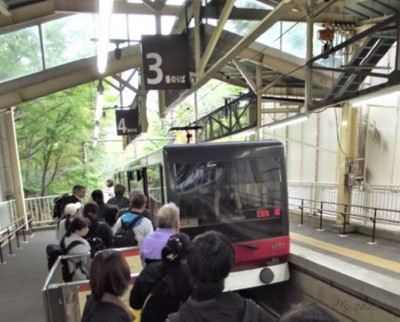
(41, 209)
(365, 196)
(64, 302)
(12, 232)
(325, 208)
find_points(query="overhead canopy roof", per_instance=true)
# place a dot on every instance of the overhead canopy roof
(239, 60)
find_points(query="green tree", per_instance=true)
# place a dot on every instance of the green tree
(19, 53)
(50, 134)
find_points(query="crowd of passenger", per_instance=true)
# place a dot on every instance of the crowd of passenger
(181, 280)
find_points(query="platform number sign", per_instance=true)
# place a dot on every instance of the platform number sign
(165, 62)
(127, 122)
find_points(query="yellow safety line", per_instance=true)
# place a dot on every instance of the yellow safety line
(353, 254)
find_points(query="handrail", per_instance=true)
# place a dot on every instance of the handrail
(13, 231)
(352, 205)
(61, 299)
(374, 218)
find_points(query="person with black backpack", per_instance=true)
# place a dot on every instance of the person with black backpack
(100, 234)
(132, 227)
(119, 200)
(78, 266)
(78, 193)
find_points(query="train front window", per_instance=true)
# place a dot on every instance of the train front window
(154, 186)
(242, 198)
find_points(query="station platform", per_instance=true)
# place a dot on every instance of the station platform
(351, 265)
(22, 279)
(365, 277)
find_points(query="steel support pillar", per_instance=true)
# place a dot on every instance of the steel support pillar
(347, 154)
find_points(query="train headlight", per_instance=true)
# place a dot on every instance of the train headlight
(267, 275)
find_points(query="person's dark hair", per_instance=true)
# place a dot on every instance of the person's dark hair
(138, 200)
(111, 216)
(77, 223)
(211, 258)
(109, 273)
(90, 207)
(109, 183)
(177, 248)
(76, 188)
(98, 197)
(309, 312)
(119, 190)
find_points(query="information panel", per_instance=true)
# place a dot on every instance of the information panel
(165, 62)
(127, 122)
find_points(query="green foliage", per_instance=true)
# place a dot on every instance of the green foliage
(68, 39)
(20, 53)
(50, 134)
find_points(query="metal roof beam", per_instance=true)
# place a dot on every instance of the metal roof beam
(65, 76)
(124, 7)
(286, 64)
(22, 14)
(295, 16)
(245, 75)
(264, 25)
(223, 18)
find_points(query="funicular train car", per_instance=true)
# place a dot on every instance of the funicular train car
(238, 188)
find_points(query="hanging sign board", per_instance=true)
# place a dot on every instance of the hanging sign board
(127, 122)
(165, 62)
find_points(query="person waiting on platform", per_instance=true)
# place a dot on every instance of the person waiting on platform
(109, 279)
(78, 194)
(108, 190)
(168, 224)
(161, 287)
(141, 225)
(146, 212)
(97, 229)
(105, 210)
(120, 201)
(210, 260)
(309, 312)
(71, 211)
(78, 267)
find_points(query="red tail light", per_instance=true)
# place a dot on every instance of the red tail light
(262, 213)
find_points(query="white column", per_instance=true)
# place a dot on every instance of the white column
(15, 166)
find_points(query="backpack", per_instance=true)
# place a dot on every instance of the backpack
(59, 204)
(96, 245)
(53, 251)
(125, 236)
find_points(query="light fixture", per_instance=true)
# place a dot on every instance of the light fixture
(100, 87)
(98, 112)
(105, 11)
(285, 122)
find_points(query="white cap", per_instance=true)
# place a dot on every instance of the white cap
(72, 208)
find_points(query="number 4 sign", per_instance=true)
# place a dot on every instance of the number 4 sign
(127, 122)
(165, 62)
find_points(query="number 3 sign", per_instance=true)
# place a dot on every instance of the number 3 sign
(165, 62)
